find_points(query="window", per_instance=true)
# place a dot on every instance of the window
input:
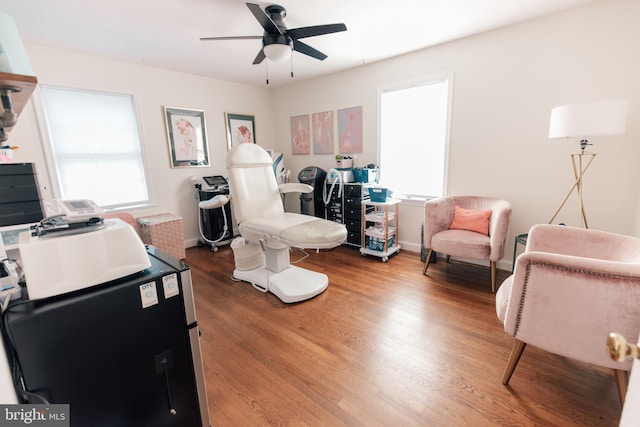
(95, 146)
(414, 131)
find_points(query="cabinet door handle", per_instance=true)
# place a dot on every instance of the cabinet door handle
(620, 349)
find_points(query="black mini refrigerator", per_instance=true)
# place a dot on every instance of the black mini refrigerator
(123, 353)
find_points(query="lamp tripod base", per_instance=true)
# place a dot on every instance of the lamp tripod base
(579, 170)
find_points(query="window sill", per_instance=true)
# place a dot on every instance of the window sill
(408, 200)
(135, 210)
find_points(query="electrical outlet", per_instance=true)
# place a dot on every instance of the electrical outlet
(163, 360)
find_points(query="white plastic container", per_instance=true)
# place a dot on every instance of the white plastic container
(247, 256)
(55, 265)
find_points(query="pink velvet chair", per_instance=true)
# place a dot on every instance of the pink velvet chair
(570, 289)
(438, 217)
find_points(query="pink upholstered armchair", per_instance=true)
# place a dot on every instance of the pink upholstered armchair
(486, 245)
(570, 289)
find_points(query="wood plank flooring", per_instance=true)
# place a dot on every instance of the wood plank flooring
(382, 346)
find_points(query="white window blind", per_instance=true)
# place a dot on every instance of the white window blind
(95, 146)
(414, 123)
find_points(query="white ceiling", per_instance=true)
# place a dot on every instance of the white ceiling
(166, 33)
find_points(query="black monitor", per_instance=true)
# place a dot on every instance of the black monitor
(215, 181)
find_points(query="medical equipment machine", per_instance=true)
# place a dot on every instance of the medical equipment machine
(20, 206)
(214, 211)
(277, 161)
(311, 203)
(57, 262)
(69, 217)
(281, 173)
(332, 195)
(77, 210)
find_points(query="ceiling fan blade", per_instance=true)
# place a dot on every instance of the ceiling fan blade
(308, 50)
(232, 38)
(259, 57)
(264, 19)
(316, 30)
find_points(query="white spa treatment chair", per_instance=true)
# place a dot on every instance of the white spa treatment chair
(258, 209)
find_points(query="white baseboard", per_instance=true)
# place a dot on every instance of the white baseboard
(503, 264)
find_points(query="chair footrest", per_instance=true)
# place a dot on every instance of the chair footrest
(293, 284)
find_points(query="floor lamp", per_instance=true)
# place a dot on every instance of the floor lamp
(603, 118)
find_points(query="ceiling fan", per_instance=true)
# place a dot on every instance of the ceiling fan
(278, 41)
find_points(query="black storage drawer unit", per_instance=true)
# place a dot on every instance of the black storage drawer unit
(353, 213)
(19, 194)
(351, 224)
(355, 190)
(352, 202)
(347, 209)
(354, 238)
(354, 194)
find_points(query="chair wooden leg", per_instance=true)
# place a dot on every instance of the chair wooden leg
(622, 380)
(493, 277)
(514, 358)
(426, 264)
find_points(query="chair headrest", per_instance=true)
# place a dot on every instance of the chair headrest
(248, 155)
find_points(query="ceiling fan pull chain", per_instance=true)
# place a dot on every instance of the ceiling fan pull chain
(291, 66)
(266, 65)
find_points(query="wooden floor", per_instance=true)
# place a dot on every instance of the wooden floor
(382, 346)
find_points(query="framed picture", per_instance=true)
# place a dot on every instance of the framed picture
(300, 135)
(350, 130)
(187, 137)
(240, 128)
(322, 130)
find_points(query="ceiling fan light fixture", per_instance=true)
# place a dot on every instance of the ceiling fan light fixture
(277, 52)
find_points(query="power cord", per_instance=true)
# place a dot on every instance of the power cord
(326, 198)
(304, 253)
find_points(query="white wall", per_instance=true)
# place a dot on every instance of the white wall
(505, 84)
(171, 189)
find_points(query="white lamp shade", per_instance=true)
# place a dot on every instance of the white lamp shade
(277, 52)
(589, 119)
(13, 57)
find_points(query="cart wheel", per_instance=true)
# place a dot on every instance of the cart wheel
(214, 248)
(385, 258)
(199, 243)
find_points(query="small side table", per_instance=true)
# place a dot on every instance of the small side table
(522, 240)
